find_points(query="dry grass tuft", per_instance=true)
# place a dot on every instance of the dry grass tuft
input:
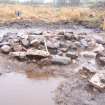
(50, 14)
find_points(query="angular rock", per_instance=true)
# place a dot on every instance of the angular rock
(88, 54)
(72, 54)
(101, 60)
(17, 47)
(25, 42)
(82, 33)
(38, 32)
(53, 45)
(45, 61)
(98, 80)
(98, 48)
(73, 47)
(37, 53)
(64, 49)
(5, 49)
(101, 53)
(13, 41)
(30, 53)
(100, 57)
(84, 43)
(70, 36)
(77, 43)
(91, 44)
(35, 42)
(56, 59)
(33, 37)
(20, 54)
(40, 47)
(61, 33)
(87, 71)
(100, 41)
(53, 51)
(23, 35)
(65, 44)
(4, 43)
(10, 35)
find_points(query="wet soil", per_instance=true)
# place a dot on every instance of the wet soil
(31, 78)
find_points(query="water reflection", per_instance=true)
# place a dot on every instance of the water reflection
(38, 75)
(17, 89)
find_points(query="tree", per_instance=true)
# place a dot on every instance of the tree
(60, 2)
(66, 2)
(74, 2)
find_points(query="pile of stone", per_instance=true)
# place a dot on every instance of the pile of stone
(23, 45)
(60, 47)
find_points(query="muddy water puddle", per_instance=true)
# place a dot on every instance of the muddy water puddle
(20, 89)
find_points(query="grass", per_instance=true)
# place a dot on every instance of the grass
(50, 14)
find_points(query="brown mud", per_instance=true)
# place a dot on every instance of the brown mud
(26, 79)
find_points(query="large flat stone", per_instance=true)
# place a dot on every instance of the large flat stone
(72, 54)
(35, 52)
(98, 80)
(56, 59)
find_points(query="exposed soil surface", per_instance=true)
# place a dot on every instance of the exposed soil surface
(75, 90)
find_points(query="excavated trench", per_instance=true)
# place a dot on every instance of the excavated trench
(30, 83)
